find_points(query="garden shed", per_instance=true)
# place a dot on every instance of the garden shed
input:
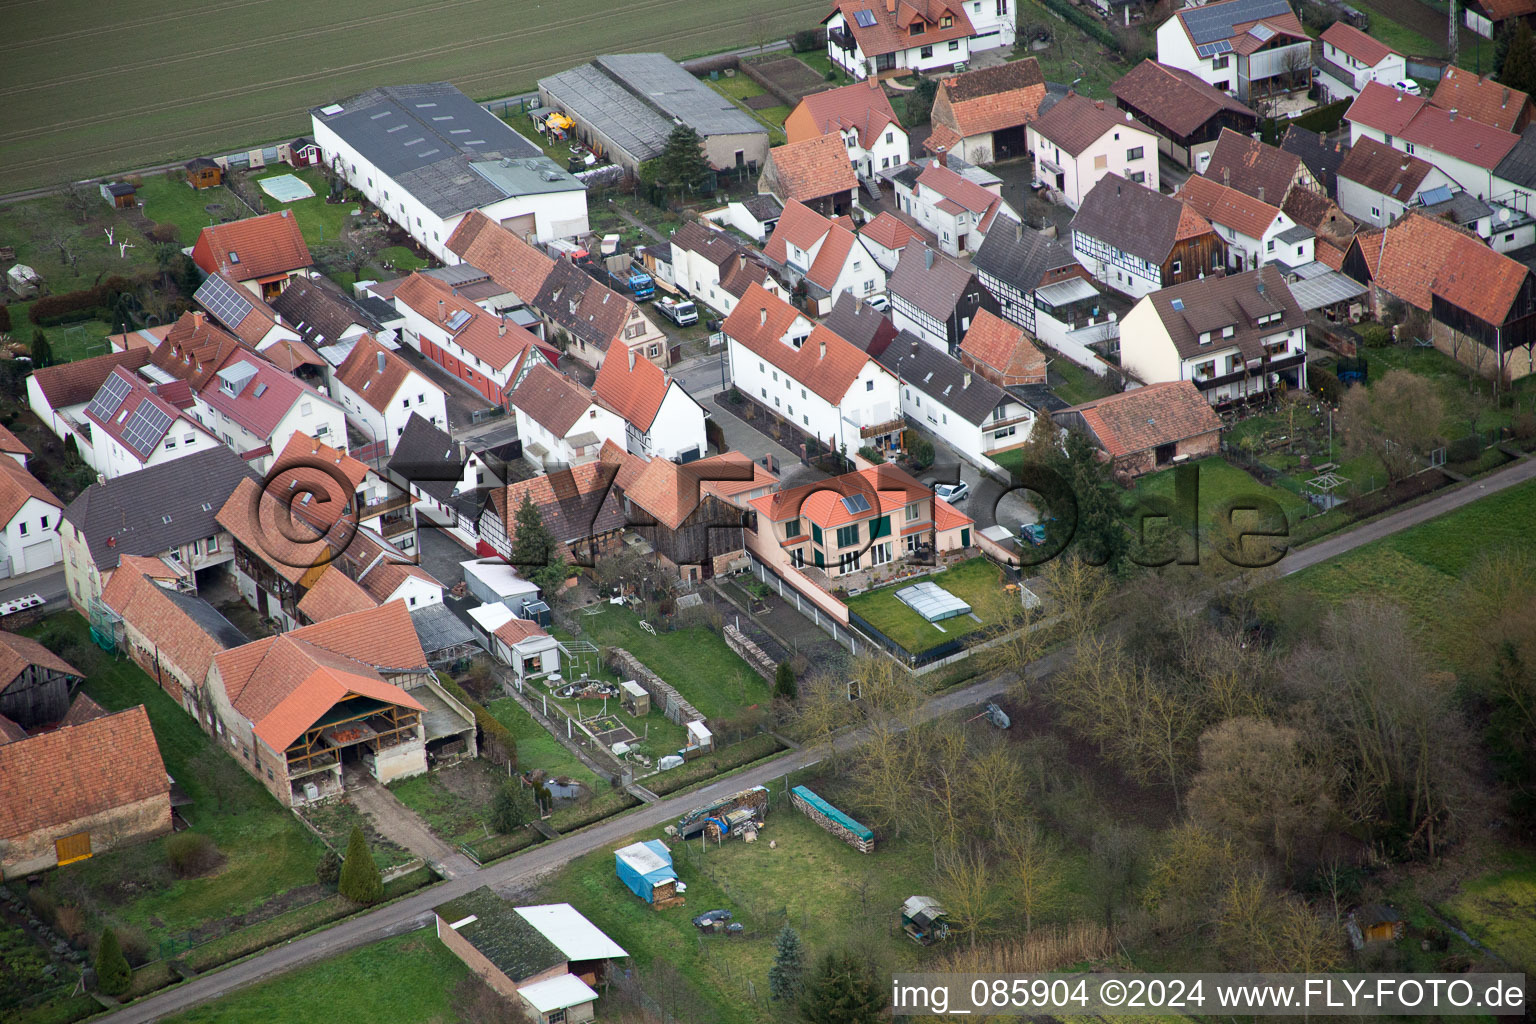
(493, 581)
(646, 869)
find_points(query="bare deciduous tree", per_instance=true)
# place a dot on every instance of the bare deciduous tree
(1032, 872)
(1397, 419)
(968, 890)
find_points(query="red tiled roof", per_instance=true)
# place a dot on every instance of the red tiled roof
(10, 732)
(822, 501)
(61, 776)
(137, 395)
(1328, 254)
(947, 517)
(283, 684)
(1143, 418)
(1482, 99)
(259, 318)
(716, 465)
(665, 493)
(1227, 206)
(361, 372)
(962, 191)
(576, 504)
(1077, 122)
(515, 631)
(498, 341)
(1383, 169)
(17, 652)
(1410, 255)
(195, 348)
(1503, 10)
(861, 107)
(761, 319)
(253, 248)
(1245, 42)
(17, 485)
(813, 168)
(1482, 282)
(11, 444)
(1002, 346)
(149, 609)
(553, 400)
(798, 225)
(888, 230)
(986, 100)
(1191, 225)
(1459, 136)
(329, 475)
(1384, 108)
(384, 576)
(289, 354)
(1255, 169)
(889, 32)
(77, 382)
(81, 710)
(269, 532)
(509, 260)
(1174, 98)
(1357, 44)
(264, 401)
(633, 386)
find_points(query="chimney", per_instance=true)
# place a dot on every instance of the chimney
(381, 362)
(631, 360)
(967, 381)
(442, 311)
(762, 316)
(1322, 138)
(890, 6)
(927, 259)
(1453, 113)
(1505, 101)
(823, 354)
(1098, 104)
(501, 328)
(1018, 231)
(741, 260)
(1226, 177)
(874, 83)
(941, 157)
(1261, 193)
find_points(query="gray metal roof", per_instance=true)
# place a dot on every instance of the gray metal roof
(430, 138)
(127, 515)
(636, 99)
(1298, 233)
(941, 377)
(1519, 165)
(1325, 290)
(1214, 21)
(1462, 207)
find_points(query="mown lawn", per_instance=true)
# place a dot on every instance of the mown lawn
(977, 582)
(402, 259)
(696, 661)
(67, 250)
(405, 980)
(1076, 384)
(319, 221)
(267, 852)
(817, 884)
(536, 748)
(1221, 484)
(657, 735)
(740, 88)
(1495, 909)
(169, 201)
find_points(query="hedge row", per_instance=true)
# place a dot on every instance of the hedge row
(569, 819)
(496, 847)
(1084, 21)
(490, 727)
(86, 304)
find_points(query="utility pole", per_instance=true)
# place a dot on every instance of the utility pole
(1450, 33)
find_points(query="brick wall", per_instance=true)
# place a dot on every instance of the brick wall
(662, 694)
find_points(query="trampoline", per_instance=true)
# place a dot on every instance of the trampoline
(286, 188)
(932, 601)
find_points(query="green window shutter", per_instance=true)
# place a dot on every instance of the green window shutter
(965, 537)
(820, 561)
(882, 528)
(816, 535)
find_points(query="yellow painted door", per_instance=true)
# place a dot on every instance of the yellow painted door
(73, 848)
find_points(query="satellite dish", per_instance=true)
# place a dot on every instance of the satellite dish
(1503, 214)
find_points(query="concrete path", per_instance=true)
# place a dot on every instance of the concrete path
(515, 873)
(1348, 540)
(399, 824)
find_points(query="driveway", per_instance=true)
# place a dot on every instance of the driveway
(45, 583)
(399, 824)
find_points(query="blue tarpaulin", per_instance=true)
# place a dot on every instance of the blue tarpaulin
(643, 866)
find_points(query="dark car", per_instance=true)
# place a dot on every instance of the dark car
(711, 920)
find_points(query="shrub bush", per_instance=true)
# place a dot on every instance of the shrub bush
(1092, 26)
(328, 868)
(511, 807)
(498, 742)
(134, 944)
(1327, 387)
(1374, 335)
(871, 454)
(803, 41)
(113, 975)
(5, 318)
(1524, 426)
(831, 76)
(191, 854)
(921, 451)
(86, 304)
(1463, 449)
(164, 233)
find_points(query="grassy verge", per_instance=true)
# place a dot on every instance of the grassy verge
(702, 769)
(536, 748)
(695, 660)
(405, 980)
(1077, 384)
(1220, 484)
(266, 852)
(1489, 909)
(169, 201)
(975, 581)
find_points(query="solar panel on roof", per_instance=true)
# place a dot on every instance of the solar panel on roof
(866, 19)
(113, 390)
(146, 428)
(1438, 194)
(1212, 49)
(228, 304)
(1261, 32)
(855, 504)
(459, 319)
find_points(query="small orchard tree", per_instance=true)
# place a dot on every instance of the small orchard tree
(787, 975)
(360, 881)
(328, 868)
(113, 975)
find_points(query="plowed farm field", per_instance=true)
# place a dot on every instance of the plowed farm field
(92, 88)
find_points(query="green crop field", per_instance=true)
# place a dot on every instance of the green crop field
(93, 88)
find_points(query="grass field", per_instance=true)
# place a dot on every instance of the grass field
(976, 582)
(1495, 909)
(266, 851)
(536, 748)
(405, 980)
(319, 221)
(93, 89)
(696, 661)
(167, 201)
(455, 800)
(740, 88)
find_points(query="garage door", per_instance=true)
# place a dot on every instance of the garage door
(37, 556)
(521, 226)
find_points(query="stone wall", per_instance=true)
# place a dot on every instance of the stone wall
(750, 653)
(862, 845)
(663, 696)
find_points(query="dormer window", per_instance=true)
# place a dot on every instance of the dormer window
(917, 28)
(1205, 337)
(1228, 331)
(946, 21)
